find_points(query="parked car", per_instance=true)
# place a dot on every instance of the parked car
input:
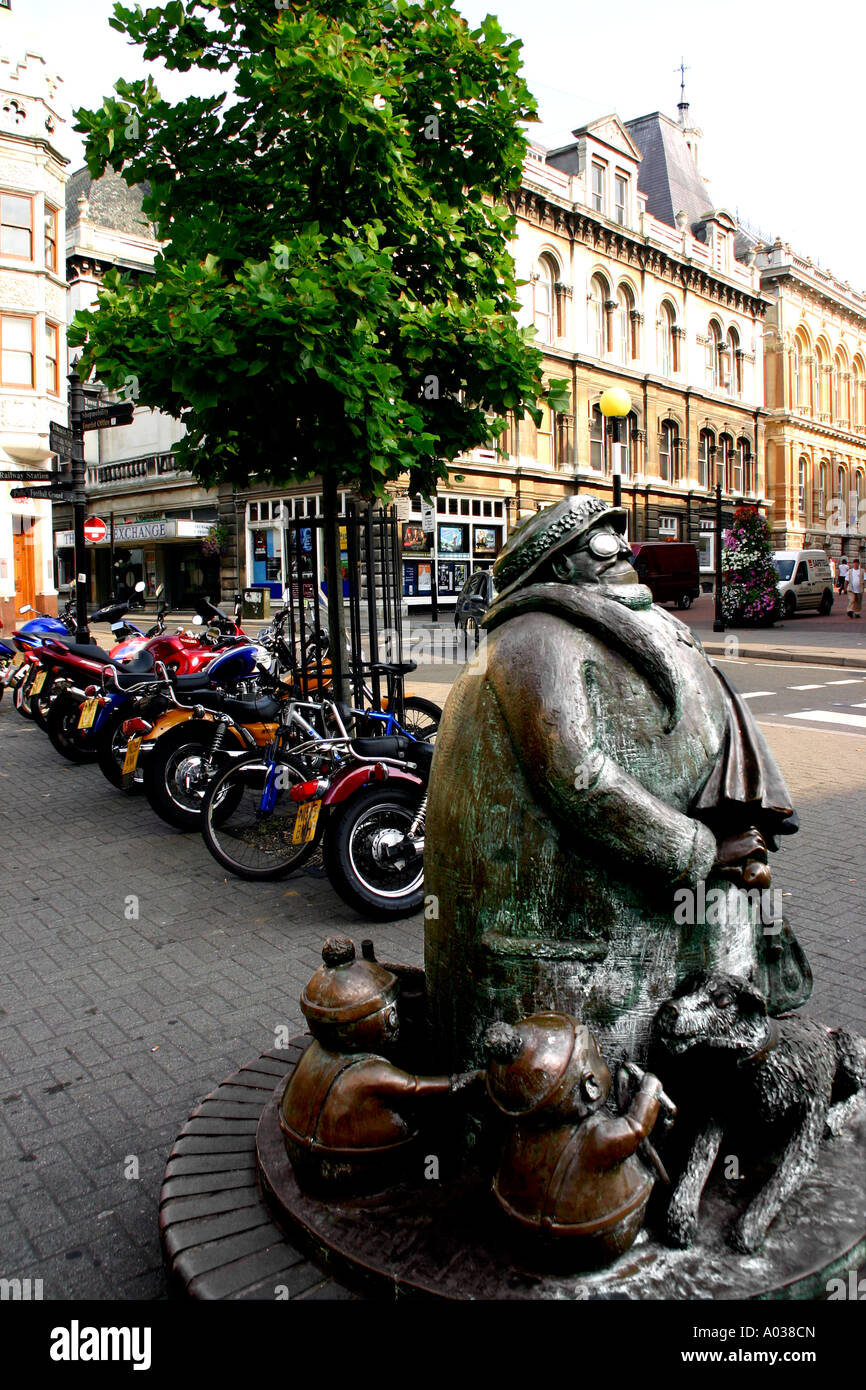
(473, 602)
(669, 569)
(805, 581)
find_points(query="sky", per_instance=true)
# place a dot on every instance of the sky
(776, 90)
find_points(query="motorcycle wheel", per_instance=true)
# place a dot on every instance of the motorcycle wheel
(21, 698)
(111, 745)
(61, 726)
(246, 841)
(421, 718)
(173, 777)
(40, 704)
(356, 833)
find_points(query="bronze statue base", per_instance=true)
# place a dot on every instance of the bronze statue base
(445, 1239)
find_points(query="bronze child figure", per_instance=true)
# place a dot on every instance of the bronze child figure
(349, 1114)
(573, 1177)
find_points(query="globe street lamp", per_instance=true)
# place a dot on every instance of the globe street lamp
(614, 405)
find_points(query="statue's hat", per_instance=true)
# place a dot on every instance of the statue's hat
(343, 989)
(535, 540)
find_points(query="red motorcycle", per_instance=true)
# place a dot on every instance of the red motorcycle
(81, 721)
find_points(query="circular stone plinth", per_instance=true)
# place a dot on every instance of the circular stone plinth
(446, 1239)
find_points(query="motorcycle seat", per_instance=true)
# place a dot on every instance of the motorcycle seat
(198, 681)
(394, 746)
(394, 668)
(262, 710)
(141, 661)
(131, 672)
(422, 755)
(88, 653)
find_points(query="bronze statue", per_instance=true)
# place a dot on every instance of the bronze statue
(589, 765)
(348, 1114)
(572, 1177)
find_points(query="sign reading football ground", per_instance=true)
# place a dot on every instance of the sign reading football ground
(42, 494)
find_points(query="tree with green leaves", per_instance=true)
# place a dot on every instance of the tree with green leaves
(335, 295)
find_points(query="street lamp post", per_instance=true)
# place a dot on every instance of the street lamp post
(615, 404)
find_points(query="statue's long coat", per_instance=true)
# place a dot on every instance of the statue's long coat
(565, 810)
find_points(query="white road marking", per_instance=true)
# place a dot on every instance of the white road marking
(753, 694)
(848, 682)
(805, 687)
(826, 716)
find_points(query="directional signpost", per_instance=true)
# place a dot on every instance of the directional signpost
(31, 475)
(60, 440)
(104, 417)
(43, 494)
(80, 419)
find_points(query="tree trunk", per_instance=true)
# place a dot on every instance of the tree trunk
(334, 578)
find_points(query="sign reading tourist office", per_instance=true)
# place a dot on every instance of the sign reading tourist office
(145, 532)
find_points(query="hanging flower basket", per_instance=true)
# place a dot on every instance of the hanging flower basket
(750, 592)
(216, 541)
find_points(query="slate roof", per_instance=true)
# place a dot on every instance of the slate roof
(113, 203)
(667, 173)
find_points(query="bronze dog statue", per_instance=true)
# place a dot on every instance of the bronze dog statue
(788, 1079)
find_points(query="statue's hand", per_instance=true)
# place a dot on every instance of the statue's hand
(742, 858)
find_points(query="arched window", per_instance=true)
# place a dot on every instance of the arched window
(840, 387)
(797, 379)
(734, 364)
(598, 293)
(706, 458)
(667, 342)
(857, 504)
(543, 305)
(726, 461)
(742, 462)
(715, 368)
(821, 499)
(821, 367)
(596, 440)
(668, 451)
(623, 325)
(858, 393)
(802, 472)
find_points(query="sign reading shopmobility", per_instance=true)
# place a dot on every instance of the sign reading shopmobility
(104, 417)
(60, 440)
(94, 530)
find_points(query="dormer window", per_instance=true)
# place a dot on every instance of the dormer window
(598, 189)
(620, 187)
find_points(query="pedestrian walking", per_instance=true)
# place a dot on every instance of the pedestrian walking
(855, 588)
(834, 576)
(843, 573)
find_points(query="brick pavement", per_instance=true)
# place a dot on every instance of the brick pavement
(112, 1028)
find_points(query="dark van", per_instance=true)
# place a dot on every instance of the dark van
(669, 569)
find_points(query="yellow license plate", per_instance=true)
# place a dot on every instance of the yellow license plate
(88, 712)
(38, 683)
(17, 659)
(130, 762)
(305, 825)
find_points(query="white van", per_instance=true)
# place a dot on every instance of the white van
(805, 581)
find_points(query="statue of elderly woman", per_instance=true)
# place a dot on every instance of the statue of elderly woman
(593, 769)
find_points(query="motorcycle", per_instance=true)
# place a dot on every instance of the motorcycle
(86, 716)
(362, 799)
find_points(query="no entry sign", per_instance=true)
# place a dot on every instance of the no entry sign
(94, 530)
